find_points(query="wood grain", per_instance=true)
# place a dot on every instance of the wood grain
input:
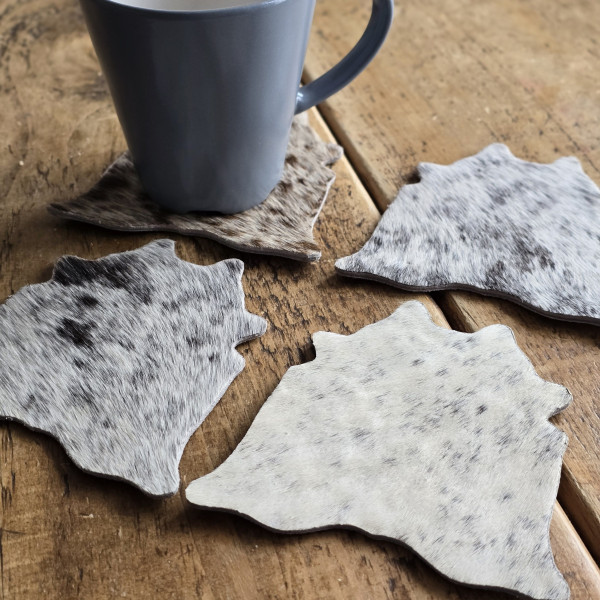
(65, 534)
(453, 77)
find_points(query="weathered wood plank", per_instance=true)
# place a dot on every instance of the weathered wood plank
(454, 77)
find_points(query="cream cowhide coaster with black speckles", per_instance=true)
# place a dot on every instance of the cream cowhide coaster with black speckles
(122, 358)
(497, 225)
(282, 225)
(407, 431)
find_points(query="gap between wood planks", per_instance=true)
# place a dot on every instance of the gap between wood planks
(442, 301)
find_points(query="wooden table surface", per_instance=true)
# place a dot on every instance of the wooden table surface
(454, 76)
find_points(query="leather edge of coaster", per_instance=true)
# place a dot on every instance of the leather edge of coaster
(461, 287)
(313, 254)
(370, 536)
(87, 471)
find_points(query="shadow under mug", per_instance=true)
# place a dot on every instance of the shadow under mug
(205, 90)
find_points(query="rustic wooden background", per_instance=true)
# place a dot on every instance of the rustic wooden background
(454, 76)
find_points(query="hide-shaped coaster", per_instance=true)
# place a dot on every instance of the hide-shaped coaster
(282, 225)
(122, 358)
(497, 225)
(410, 432)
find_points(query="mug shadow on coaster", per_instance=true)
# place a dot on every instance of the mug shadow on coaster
(281, 225)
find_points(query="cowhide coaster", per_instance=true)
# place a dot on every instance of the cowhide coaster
(122, 358)
(407, 431)
(497, 225)
(282, 225)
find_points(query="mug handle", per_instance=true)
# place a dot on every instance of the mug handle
(353, 63)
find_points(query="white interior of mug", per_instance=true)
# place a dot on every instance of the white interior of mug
(186, 5)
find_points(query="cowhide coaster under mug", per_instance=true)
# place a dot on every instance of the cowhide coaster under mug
(282, 225)
(497, 225)
(407, 431)
(122, 358)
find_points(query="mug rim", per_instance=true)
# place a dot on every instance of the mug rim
(208, 12)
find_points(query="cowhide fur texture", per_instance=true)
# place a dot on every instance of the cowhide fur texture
(122, 358)
(407, 431)
(494, 224)
(282, 225)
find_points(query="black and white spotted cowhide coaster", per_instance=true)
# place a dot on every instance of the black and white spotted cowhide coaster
(122, 358)
(282, 225)
(494, 224)
(407, 431)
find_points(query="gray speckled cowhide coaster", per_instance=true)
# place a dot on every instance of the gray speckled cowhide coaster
(494, 224)
(282, 225)
(407, 431)
(122, 358)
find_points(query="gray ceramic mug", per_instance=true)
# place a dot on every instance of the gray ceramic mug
(205, 90)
